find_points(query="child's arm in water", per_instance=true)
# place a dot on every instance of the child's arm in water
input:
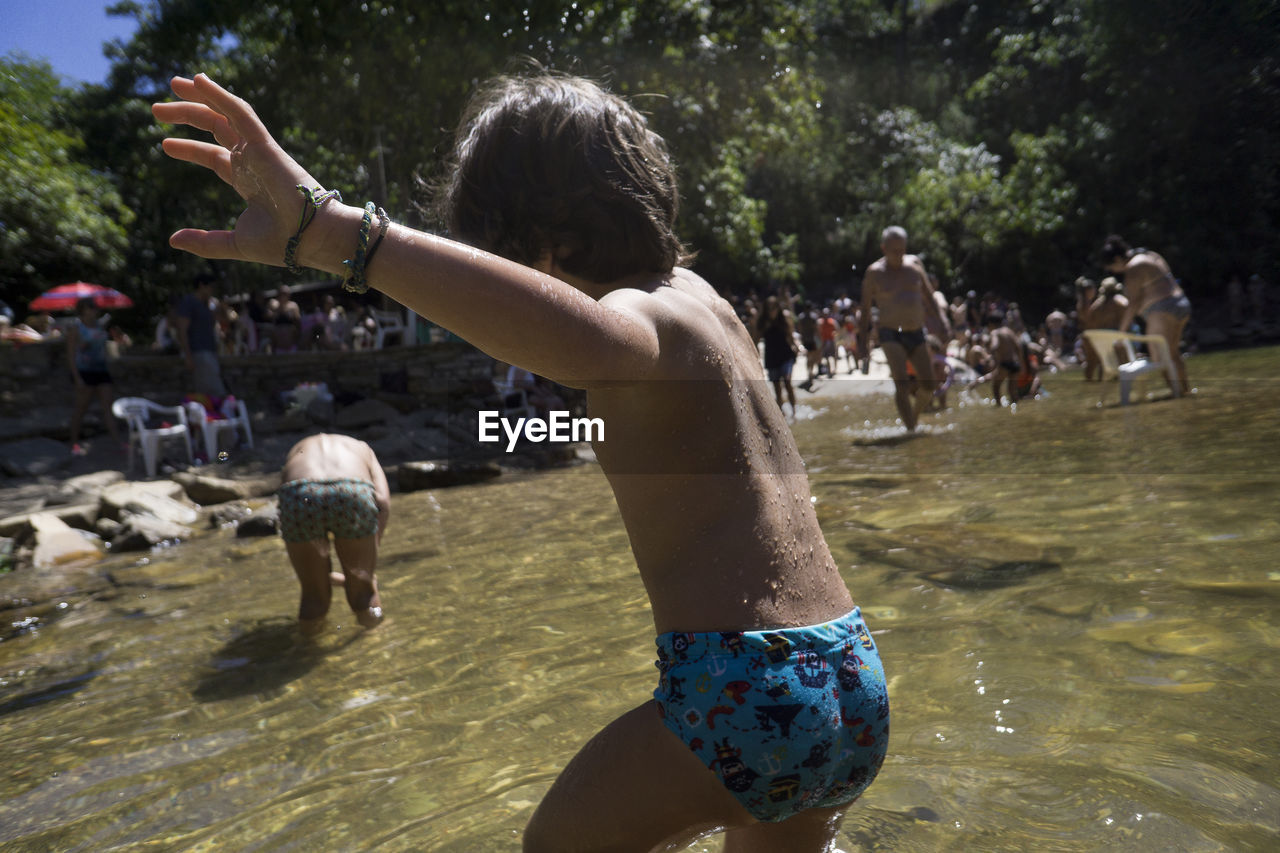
(565, 334)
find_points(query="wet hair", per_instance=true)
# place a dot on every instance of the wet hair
(547, 162)
(1115, 247)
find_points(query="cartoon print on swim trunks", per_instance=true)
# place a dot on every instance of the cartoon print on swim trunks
(787, 719)
(311, 509)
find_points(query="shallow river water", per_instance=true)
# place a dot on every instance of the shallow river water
(1078, 608)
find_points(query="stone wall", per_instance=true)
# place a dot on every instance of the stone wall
(34, 377)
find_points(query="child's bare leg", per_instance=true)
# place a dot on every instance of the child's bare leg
(108, 419)
(311, 564)
(359, 559)
(634, 786)
(814, 830)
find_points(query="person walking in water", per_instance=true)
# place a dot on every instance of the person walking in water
(778, 333)
(87, 357)
(896, 285)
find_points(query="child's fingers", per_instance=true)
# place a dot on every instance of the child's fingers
(216, 245)
(237, 110)
(213, 157)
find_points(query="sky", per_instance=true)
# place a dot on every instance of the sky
(68, 34)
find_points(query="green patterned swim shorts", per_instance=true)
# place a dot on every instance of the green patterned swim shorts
(311, 509)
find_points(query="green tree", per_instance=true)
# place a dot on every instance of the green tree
(59, 220)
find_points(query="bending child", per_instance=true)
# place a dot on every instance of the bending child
(334, 484)
(771, 712)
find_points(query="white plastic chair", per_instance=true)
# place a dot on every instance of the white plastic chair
(390, 323)
(136, 412)
(235, 417)
(515, 401)
(1157, 359)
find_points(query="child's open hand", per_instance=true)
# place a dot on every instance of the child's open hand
(247, 158)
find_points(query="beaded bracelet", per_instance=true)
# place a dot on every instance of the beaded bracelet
(315, 198)
(384, 222)
(353, 279)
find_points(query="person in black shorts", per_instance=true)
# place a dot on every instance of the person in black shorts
(87, 357)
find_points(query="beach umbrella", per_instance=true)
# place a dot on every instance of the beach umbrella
(65, 296)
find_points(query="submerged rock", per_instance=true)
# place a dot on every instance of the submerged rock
(54, 542)
(206, 489)
(159, 499)
(80, 516)
(34, 457)
(978, 573)
(365, 413)
(417, 476)
(141, 532)
(263, 522)
(85, 489)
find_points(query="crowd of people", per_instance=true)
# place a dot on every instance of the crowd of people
(278, 322)
(931, 345)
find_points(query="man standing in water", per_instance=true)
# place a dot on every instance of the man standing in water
(897, 285)
(1153, 293)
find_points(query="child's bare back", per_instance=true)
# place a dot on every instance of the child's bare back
(331, 457)
(707, 475)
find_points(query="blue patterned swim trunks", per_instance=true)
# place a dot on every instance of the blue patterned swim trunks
(789, 719)
(311, 509)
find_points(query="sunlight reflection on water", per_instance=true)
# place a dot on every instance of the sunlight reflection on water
(1076, 608)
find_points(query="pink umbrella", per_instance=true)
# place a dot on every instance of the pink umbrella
(65, 296)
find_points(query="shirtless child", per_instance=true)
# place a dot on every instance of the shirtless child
(334, 484)
(771, 713)
(1154, 294)
(899, 287)
(1009, 361)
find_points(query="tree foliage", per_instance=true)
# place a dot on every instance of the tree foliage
(1007, 138)
(60, 221)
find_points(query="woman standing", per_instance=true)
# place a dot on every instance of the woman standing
(778, 333)
(87, 356)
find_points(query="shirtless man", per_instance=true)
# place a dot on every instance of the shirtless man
(1153, 293)
(899, 287)
(755, 623)
(334, 484)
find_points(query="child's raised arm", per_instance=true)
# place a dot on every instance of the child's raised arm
(512, 312)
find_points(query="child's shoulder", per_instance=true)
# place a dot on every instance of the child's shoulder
(679, 303)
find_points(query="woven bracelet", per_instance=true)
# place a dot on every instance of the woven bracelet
(353, 280)
(315, 197)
